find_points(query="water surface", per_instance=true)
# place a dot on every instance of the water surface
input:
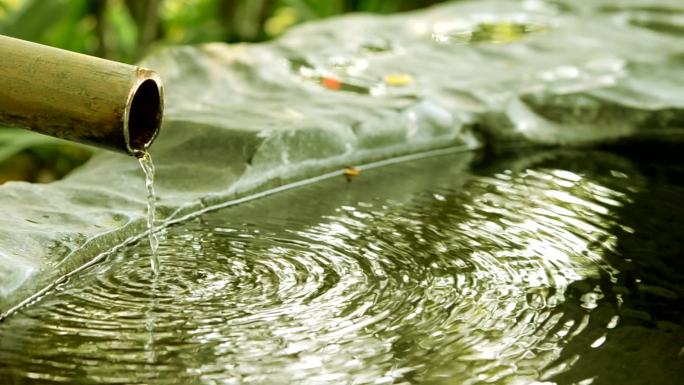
(559, 267)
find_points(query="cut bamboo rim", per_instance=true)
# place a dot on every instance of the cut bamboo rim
(79, 97)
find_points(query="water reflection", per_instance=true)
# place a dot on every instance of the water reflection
(413, 274)
(487, 28)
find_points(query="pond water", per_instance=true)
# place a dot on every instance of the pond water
(554, 267)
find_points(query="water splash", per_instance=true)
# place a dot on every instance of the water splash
(148, 168)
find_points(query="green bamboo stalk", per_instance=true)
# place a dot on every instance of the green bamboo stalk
(78, 97)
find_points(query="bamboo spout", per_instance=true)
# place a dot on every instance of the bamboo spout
(78, 97)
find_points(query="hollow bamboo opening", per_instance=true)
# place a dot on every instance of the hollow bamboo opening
(144, 117)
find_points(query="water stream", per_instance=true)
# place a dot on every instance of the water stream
(556, 268)
(148, 168)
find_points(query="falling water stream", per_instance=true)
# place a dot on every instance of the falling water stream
(148, 168)
(556, 268)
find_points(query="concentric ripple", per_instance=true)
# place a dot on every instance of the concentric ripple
(414, 274)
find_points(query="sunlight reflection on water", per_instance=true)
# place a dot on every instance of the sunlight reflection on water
(418, 273)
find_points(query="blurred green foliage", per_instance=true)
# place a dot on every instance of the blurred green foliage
(37, 158)
(127, 30)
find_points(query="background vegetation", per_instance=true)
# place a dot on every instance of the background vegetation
(126, 30)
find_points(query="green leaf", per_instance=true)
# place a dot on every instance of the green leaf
(14, 141)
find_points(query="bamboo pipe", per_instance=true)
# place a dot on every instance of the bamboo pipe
(78, 97)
